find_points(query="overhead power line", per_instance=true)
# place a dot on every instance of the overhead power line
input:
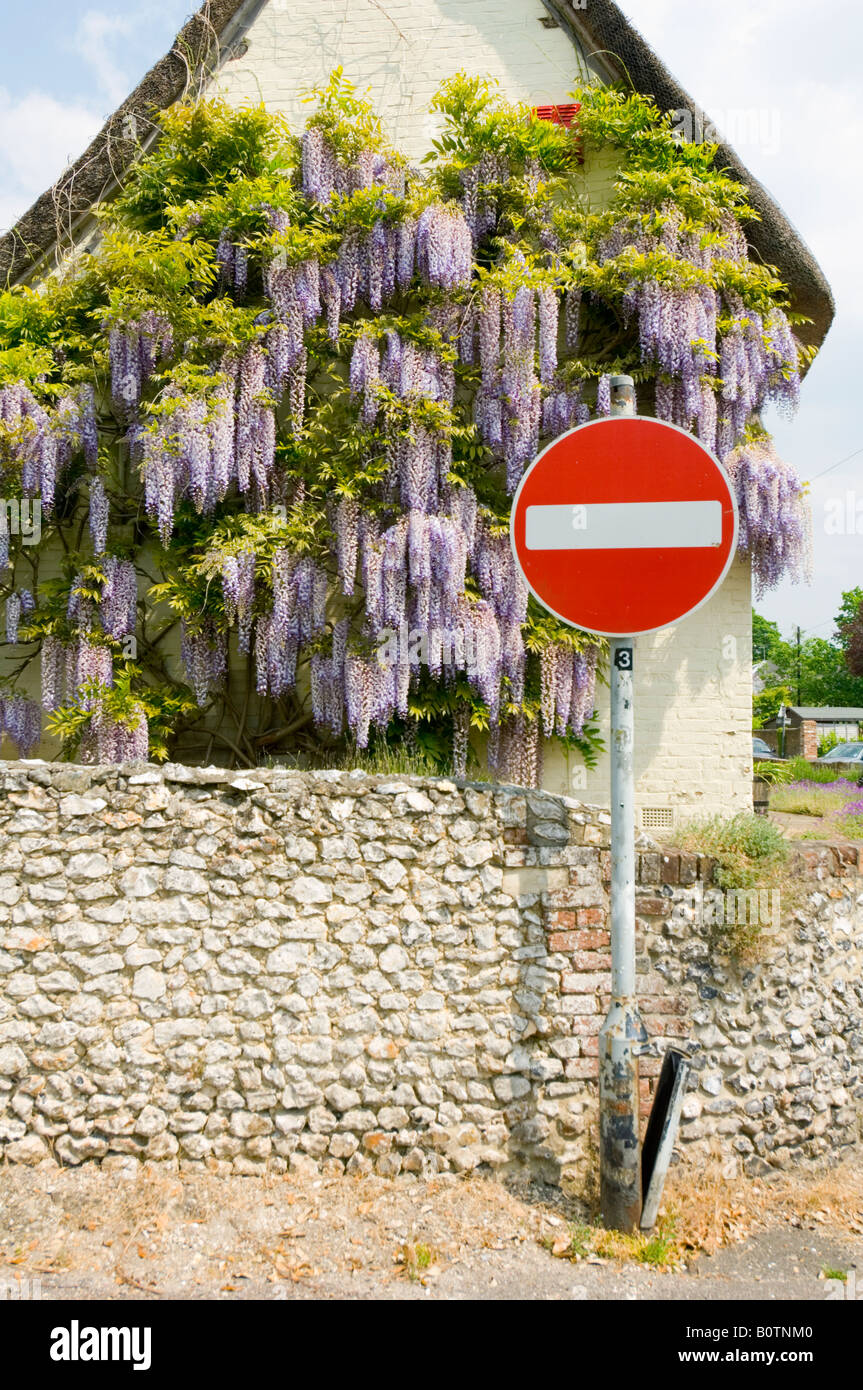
(836, 465)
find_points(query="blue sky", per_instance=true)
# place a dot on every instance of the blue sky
(774, 76)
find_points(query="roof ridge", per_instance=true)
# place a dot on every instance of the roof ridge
(51, 220)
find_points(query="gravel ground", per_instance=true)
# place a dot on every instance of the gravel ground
(89, 1234)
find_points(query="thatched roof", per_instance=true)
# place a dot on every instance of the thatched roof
(600, 28)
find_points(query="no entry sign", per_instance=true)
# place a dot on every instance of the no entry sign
(624, 526)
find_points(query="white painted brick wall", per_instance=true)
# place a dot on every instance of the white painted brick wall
(400, 51)
(693, 713)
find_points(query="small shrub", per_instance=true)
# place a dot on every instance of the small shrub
(748, 849)
(774, 773)
(750, 854)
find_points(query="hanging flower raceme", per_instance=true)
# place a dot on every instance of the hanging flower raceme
(256, 425)
(135, 349)
(318, 166)
(460, 740)
(21, 721)
(678, 328)
(118, 606)
(374, 692)
(238, 586)
(347, 531)
(53, 660)
(19, 604)
(98, 516)
(365, 373)
(13, 613)
(508, 406)
(775, 516)
(197, 448)
(233, 262)
(498, 575)
(43, 441)
(115, 741)
(328, 683)
(204, 654)
(479, 201)
(515, 751)
(88, 661)
(568, 682)
(444, 253)
(294, 290)
(298, 614)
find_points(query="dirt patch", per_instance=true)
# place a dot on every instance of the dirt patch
(86, 1233)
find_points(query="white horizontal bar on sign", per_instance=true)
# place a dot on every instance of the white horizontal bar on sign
(623, 525)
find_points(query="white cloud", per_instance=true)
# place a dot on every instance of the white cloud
(106, 41)
(95, 42)
(39, 136)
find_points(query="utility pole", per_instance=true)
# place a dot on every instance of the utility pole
(798, 663)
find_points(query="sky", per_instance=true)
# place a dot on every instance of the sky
(781, 83)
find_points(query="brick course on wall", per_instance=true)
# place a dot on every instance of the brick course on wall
(250, 972)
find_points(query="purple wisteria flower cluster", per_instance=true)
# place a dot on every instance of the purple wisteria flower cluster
(135, 349)
(41, 440)
(197, 448)
(109, 740)
(66, 666)
(21, 721)
(775, 518)
(515, 752)
(204, 654)
(720, 363)
(298, 615)
(19, 604)
(425, 548)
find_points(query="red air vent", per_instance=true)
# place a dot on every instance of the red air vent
(559, 115)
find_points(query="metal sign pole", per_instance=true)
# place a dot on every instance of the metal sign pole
(623, 526)
(623, 1031)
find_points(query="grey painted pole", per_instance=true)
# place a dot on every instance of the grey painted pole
(622, 1032)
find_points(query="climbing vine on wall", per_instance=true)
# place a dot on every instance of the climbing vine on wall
(285, 405)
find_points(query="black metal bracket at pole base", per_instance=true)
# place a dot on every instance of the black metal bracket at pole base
(662, 1131)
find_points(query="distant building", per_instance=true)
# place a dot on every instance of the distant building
(806, 725)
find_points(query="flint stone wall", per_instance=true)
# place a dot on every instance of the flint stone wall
(254, 971)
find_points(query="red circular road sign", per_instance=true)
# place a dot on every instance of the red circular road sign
(624, 525)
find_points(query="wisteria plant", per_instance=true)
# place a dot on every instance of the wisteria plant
(280, 414)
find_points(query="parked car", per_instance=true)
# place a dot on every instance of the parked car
(843, 753)
(763, 753)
